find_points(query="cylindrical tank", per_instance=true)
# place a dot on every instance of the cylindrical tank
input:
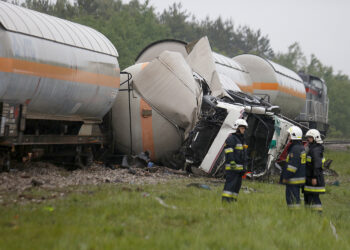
(150, 131)
(60, 69)
(232, 75)
(282, 86)
(165, 100)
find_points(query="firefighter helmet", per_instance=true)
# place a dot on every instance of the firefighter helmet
(240, 122)
(314, 133)
(295, 133)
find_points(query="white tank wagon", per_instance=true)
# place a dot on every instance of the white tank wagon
(60, 69)
(56, 78)
(164, 102)
(142, 128)
(280, 85)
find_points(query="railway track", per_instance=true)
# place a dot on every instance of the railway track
(335, 142)
(337, 145)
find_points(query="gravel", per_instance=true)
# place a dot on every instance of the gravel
(49, 176)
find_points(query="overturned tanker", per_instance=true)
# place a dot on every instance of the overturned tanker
(157, 108)
(199, 144)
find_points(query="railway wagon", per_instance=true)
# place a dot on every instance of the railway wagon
(277, 84)
(58, 79)
(157, 110)
(142, 128)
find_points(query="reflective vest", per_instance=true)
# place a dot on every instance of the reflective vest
(314, 169)
(235, 153)
(296, 160)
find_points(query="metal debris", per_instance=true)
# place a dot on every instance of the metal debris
(199, 185)
(36, 183)
(248, 190)
(334, 230)
(161, 202)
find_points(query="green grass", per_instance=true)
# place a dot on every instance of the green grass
(122, 216)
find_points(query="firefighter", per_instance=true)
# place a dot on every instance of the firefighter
(315, 184)
(294, 174)
(235, 157)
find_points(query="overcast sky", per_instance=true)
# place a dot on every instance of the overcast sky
(322, 27)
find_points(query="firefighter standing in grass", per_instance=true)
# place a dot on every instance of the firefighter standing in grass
(235, 154)
(294, 174)
(315, 184)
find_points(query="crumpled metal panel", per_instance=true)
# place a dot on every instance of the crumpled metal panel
(33, 23)
(216, 147)
(201, 61)
(167, 84)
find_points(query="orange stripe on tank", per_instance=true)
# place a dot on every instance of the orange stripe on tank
(246, 88)
(11, 65)
(266, 85)
(146, 126)
(144, 65)
(277, 87)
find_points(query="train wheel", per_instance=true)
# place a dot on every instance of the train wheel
(6, 163)
(89, 159)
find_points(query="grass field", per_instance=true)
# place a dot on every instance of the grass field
(174, 216)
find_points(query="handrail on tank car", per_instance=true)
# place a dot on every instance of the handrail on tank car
(129, 90)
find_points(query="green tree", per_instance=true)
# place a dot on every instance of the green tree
(294, 59)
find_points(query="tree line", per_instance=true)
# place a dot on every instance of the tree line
(132, 26)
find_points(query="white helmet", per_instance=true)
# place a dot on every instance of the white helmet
(240, 122)
(295, 133)
(314, 133)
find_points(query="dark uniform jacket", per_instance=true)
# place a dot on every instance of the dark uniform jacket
(294, 172)
(314, 163)
(235, 151)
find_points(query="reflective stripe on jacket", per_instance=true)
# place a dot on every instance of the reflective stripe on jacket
(296, 159)
(235, 153)
(314, 165)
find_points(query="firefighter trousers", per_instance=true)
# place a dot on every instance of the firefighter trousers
(313, 201)
(232, 186)
(293, 196)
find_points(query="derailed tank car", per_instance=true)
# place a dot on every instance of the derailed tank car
(156, 111)
(58, 79)
(202, 146)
